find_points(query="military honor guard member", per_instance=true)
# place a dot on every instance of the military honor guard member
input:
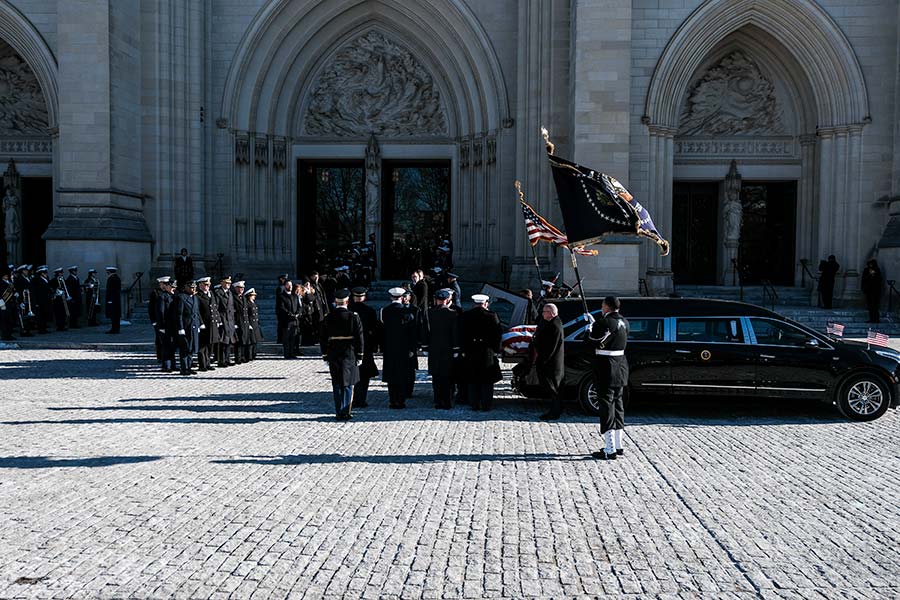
(443, 347)
(254, 331)
(283, 279)
(227, 337)
(481, 335)
(342, 347)
(73, 285)
(22, 284)
(371, 342)
(289, 307)
(113, 299)
(399, 343)
(241, 331)
(9, 306)
(210, 322)
(548, 358)
(42, 298)
(158, 309)
(609, 336)
(59, 300)
(92, 297)
(184, 325)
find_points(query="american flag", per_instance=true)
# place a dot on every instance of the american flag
(517, 339)
(834, 329)
(876, 338)
(539, 229)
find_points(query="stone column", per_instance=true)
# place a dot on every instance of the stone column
(659, 203)
(852, 255)
(99, 218)
(806, 206)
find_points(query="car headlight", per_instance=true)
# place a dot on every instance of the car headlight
(889, 354)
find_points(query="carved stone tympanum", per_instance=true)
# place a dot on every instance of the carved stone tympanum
(23, 110)
(375, 85)
(733, 97)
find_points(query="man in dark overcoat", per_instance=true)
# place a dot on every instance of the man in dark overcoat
(371, 342)
(73, 285)
(399, 343)
(210, 321)
(241, 321)
(609, 336)
(548, 358)
(184, 326)
(289, 307)
(227, 337)
(41, 299)
(481, 334)
(113, 299)
(158, 308)
(443, 347)
(341, 342)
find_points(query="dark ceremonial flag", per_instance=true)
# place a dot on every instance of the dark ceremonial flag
(594, 205)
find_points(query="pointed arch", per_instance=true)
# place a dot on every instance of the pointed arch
(819, 46)
(25, 39)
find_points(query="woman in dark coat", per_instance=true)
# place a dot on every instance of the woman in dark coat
(547, 356)
(872, 283)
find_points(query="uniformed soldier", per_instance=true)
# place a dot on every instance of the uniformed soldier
(342, 347)
(41, 299)
(443, 347)
(158, 309)
(609, 335)
(225, 305)
(73, 285)
(399, 348)
(371, 342)
(284, 277)
(92, 297)
(210, 322)
(22, 283)
(184, 326)
(9, 306)
(481, 333)
(254, 331)
(58, 300)
(419, 317)
(453, 284)
(113, 299)
(241, 323)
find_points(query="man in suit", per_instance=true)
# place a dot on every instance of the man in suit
(548, 359)
(73, 285)
(284, 277)
(184, 326)
(371, 342)
(609, 336)
(420, 290)
(225, 306)
(443, 347)
(481, 333)
(210, 321)
(289, 307)
(113, 299)
(341, 342)
(399, 344)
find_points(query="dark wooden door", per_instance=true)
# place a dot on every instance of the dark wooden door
(695, 219)
(768, 232)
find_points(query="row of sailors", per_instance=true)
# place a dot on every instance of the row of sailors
(462, 348)
(31, 301)
(208, 325)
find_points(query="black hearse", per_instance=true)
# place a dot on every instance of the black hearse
(694, 347)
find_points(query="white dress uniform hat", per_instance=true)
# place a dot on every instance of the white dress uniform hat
(165, 279)
(41, 269)
(480, 298)
(250, 292)
(396, 292)
(546, 283)
(112, 269)
(239, 284)
(204, 280)
(73, 268)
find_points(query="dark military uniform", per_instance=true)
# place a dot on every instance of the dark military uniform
(22, 283)
(399, 348)
(8, 307)
(58, 301)
(158, 308)
(210, 322)
(254, 331)
(242, 329)
(342, 346)
(609, 335)
(184, 327)
(443, 349)
(289, 307)
(114, 302)
(41, 302)
(92, 297)
(73, 285)
(371, 342)
(225, 306)
(481, 333)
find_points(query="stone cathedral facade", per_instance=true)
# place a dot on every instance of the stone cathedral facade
(761, 134)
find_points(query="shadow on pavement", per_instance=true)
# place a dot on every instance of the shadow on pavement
(46, 462)
(314, 459)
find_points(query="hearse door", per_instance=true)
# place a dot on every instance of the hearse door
(650, 370)
(710, 357)
(791, 363)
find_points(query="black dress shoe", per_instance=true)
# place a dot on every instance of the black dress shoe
(620, 452)
(602, 455)
(549, 417)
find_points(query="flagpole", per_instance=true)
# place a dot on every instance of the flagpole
(537, 264)
(578, 279)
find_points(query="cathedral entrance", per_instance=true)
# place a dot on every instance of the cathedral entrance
(695, 213)
(768, 230)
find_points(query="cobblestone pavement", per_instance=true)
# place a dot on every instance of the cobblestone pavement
(119, 482)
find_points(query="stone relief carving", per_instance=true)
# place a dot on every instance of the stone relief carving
(733, 97)
(374, 85)
(477, 147)
(491, 150)
(261, 153)
(241, 150)
(279, 154)
(757, 147)
(464, 154)
(23, 110)
(11, 211)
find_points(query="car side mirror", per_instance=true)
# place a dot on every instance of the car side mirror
(812, 343)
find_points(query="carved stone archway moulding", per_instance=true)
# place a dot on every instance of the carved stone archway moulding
(29, 44)
(835, 87)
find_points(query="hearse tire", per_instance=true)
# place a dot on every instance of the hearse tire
(863, 397)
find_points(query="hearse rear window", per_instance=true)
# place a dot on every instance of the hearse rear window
(645, 330)
(709, 330)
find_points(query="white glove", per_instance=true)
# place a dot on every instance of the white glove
(251, 326)
(181, 332)
(162, 331)
(203, 327)
(235, 326)
(2, 305)
(589, 318)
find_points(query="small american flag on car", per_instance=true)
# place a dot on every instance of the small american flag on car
(517, 339)
(834, 329)
(876, 338)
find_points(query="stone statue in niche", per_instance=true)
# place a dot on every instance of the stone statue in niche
(23, 109)
(734, 211)
(373, 186)
(375, 85)
(733, 97)
(13, 224)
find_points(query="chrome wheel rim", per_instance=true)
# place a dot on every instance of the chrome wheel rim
(592, 396)
(865, 397)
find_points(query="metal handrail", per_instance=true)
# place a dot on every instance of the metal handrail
(770, 292)
(128, 294)
(643, 288)
(891, 291)
(804, 262)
